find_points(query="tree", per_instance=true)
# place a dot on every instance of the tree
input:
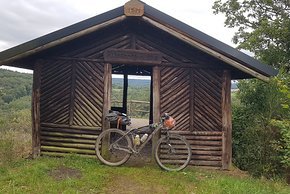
(263, 27)
(261, 121)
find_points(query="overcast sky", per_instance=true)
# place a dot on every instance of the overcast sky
(24, 20)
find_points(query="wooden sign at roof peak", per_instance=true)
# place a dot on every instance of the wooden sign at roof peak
(134, 8)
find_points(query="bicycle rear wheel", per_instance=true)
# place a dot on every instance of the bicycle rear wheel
(113, 147)
(172, 153)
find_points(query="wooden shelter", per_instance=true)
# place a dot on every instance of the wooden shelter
(190, 72)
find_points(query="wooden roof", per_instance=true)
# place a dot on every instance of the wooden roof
(154, 17)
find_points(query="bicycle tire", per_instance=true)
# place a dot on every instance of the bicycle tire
(172, 153)
(112, 156)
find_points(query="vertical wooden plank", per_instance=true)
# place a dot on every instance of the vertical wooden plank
(107, 93)
(125, 93)
(226, 121)
(106, 104)
(35, 111)
(156, 101)
(133, 41)
(72, 95)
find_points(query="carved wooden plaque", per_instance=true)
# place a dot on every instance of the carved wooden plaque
(132, 56)
(134, 8)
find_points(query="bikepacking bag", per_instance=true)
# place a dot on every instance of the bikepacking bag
(115, 117)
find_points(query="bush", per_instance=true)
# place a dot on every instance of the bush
(253, 148)
(14, 145)
(15, 120)
(261, 134)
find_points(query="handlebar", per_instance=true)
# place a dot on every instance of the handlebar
(115, 116)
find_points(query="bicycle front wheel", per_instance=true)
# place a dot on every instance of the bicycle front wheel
(172, 153)
(113, 147)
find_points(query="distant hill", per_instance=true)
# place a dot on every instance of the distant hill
(132, 82)
(14, 85)
(145, 83)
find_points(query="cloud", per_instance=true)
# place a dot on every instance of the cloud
(23, 20)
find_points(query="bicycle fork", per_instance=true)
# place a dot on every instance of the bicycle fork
(171, 149)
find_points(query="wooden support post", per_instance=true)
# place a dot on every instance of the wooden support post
(156, 102)
(107, 93)
(106, 102)
(125, 94)
(35, 111)
(226, 121)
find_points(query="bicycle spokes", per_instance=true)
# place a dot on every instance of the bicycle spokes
(172, 153)
(115, 147)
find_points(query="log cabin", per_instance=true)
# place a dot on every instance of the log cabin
(190, 72)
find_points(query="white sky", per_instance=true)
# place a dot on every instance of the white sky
(24, 20)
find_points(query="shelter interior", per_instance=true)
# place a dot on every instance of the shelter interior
(128, 70)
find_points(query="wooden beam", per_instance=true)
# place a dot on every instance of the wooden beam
(226, 121)
(125, 93)
(106, 104)
(156, 101)
(131, 56)
(107, 93)
(163, 63)
(35, 111)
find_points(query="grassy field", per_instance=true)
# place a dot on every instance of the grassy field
(73, 174)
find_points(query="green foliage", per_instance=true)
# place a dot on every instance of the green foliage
(15, 100)
(263, 27)
(283, 144)
(14, 145)
(15, 120)
(260, 121)
(260, 131)
(14, 85)
(135, 93)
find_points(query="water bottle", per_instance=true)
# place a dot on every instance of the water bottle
(137, 140)
(144, 137)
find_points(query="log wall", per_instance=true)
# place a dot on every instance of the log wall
(72, 94)
(194, 98)
(71, 106)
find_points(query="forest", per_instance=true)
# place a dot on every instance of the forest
(15, 100)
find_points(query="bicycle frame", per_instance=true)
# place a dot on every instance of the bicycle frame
(137, 150)
(167, 150)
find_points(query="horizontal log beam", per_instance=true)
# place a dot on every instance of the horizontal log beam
(205, 163)
(67, 130)
(57, 154)
(70, 126)
(208, 133)
(67, 150)
(56, 134)
(67, 140)
(68, 145)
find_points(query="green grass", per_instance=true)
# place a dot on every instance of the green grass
(42, 176)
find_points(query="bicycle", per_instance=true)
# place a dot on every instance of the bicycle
(115, 146)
